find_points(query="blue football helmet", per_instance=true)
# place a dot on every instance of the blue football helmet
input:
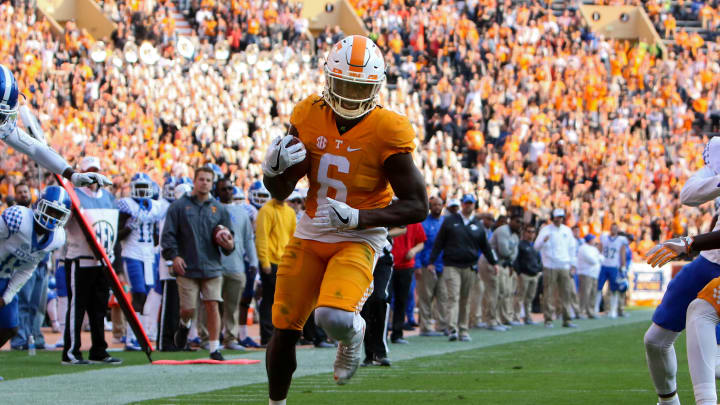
(217, 170)
(54, 208)
(259, 195)
(168, 190)
(238, 194)
(622, 281)
(156, 191)
(186, 180)
(8, 99)
(141, 186)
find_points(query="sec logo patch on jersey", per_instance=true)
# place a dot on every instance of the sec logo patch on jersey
(321, 142)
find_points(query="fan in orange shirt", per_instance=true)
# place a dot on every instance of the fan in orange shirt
(360, 154)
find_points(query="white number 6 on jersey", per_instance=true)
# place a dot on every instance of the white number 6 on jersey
(343, 166)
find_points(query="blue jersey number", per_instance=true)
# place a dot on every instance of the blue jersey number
(609, 253)
(8, 265)
(146, 232)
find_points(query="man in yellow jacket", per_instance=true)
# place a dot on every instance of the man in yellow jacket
(274, 227)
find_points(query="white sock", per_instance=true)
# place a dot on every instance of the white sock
(598, 298)
(214, 344)
(702, 318)
(280, 402)
(661, 359)
(52, 311)
(62, 305)
(152, 311)
(242, 332)
(614, 304)
(129, 334)
(193, 331)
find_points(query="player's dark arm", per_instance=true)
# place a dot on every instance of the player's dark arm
(124, 230)
(409, 187)
(706, 241)
(156, 233)
(714, 221)
(279, 186)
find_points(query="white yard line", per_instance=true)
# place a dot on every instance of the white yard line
(122, 385)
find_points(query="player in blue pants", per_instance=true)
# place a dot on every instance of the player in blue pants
(669, 317)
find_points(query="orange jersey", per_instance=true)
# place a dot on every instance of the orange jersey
(349, 167)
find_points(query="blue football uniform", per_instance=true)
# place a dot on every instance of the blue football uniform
(138, 248)
(21, 250)
(671, 313)
(612, 248)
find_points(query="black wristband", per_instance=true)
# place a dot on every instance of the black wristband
(67, 173)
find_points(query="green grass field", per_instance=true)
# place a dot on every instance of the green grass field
(603, 366)
(601, 362)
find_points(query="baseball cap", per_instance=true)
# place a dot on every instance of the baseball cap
(589, 238)
(468, 198)
(558, 212)
(89, 162)
(454, 203)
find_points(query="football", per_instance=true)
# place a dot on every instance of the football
(219, 232)
(297, 171)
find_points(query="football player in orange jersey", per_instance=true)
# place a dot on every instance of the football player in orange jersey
(360, 155)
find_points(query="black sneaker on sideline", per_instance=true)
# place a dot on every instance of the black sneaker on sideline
(181, 336)
(382, 361)
(367, 362)
(324, 345)
(107, 360)
(216, 355)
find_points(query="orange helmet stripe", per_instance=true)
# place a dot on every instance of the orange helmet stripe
(357, 57)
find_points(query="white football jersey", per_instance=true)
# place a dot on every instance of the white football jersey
(612, 249)
(139, 244)
(20, 249)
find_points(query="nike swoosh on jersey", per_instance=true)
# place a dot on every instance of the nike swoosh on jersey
(343, 220)
(349, 149)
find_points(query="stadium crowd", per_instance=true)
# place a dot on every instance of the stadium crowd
(513, 105)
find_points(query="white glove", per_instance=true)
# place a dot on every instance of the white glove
(335, 216)
(280, 156)
(85, 179)
(668, 250)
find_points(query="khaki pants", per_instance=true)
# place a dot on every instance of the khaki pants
(527, 288)
(557, 281)
(506, 297)
(429, 288)
(574, 298)
(118, 322)
(588, 292)
(490, 299)
(458, 281)
(232, 289)
(476, 298)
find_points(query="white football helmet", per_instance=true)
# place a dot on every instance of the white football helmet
(354, 73)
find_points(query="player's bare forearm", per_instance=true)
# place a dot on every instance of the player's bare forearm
(409, 187)
(706, 241)
(279, 187)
